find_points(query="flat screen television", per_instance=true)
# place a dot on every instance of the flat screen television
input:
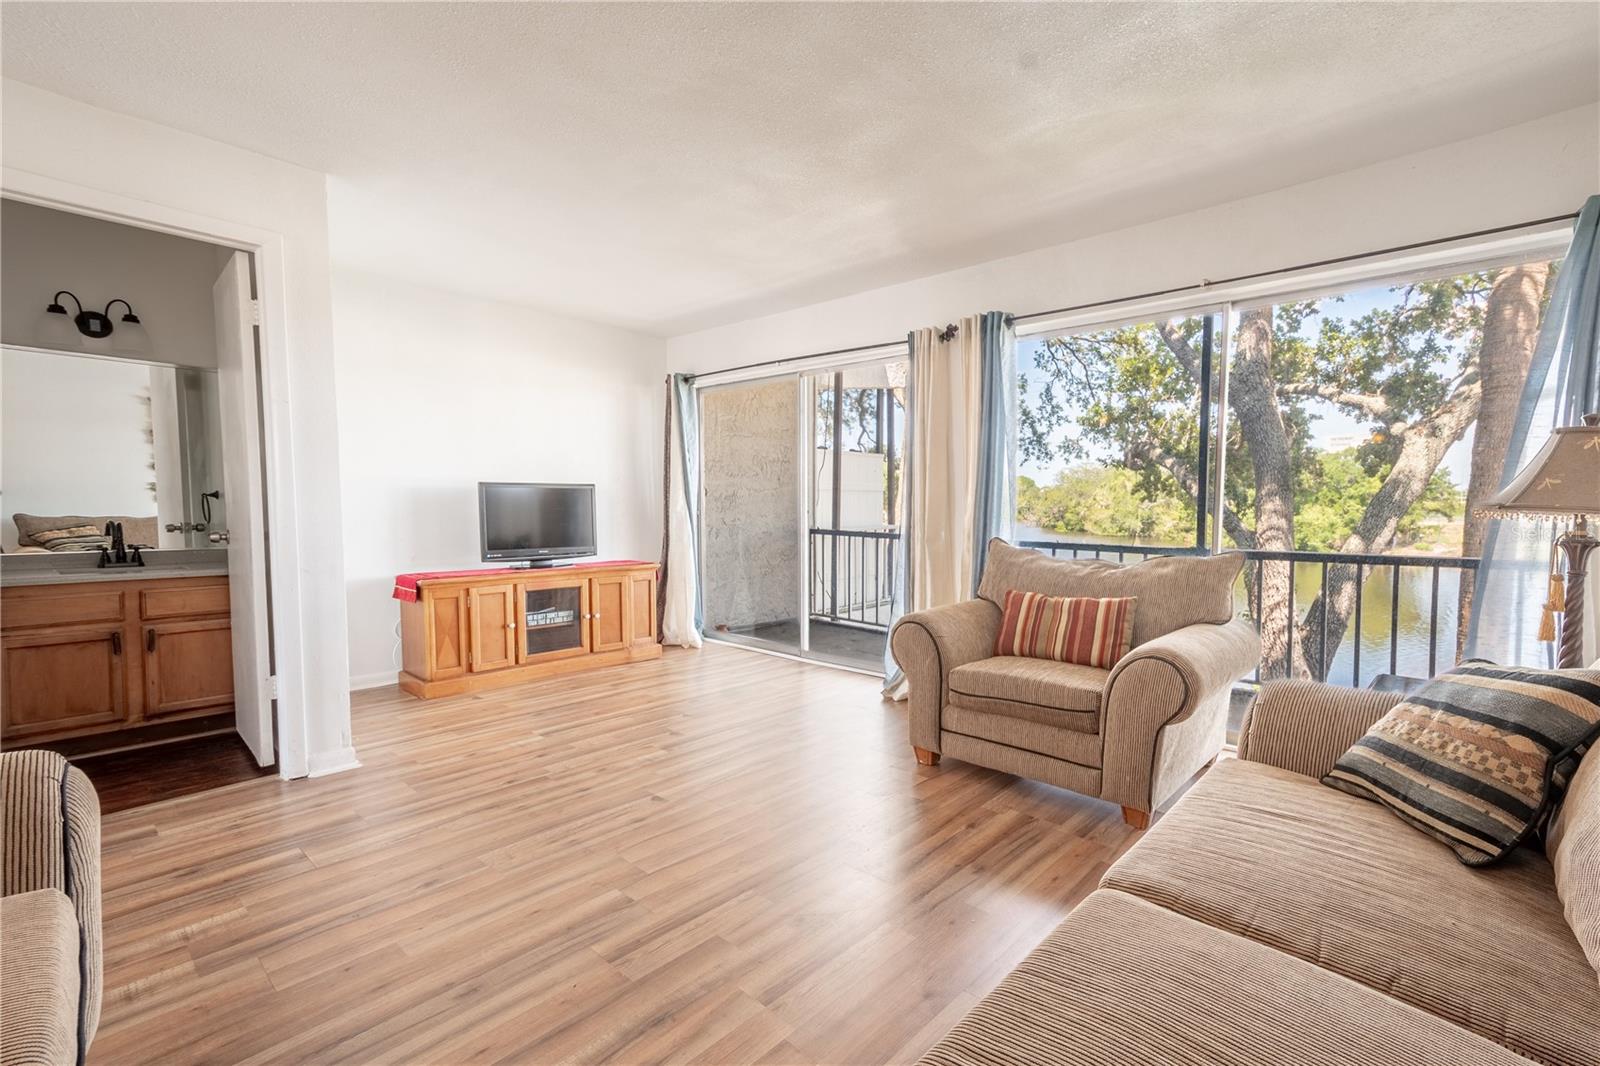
(535, 524)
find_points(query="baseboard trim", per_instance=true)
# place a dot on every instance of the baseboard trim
(321, 764)
(359, 682)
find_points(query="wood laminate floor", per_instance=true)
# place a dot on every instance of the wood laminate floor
(716, 857)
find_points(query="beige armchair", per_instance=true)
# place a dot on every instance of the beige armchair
(1132, 734)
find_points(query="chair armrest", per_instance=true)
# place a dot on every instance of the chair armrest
(928, 645)
(1304, 726)
(1161, 683)
(1176, 671)
(51, 820)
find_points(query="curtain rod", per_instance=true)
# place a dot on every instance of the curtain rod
(1199, 287)
(795, 359)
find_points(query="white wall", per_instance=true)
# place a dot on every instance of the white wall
(167, 279)
(439, 391)
(74, 438)
(59, 140)
(1526, 172)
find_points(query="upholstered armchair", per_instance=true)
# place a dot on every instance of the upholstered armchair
(1131, 734)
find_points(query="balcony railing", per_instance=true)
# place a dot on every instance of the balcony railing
(1324, 666)
(852, 578)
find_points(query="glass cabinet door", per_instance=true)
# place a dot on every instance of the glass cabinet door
(553, 619)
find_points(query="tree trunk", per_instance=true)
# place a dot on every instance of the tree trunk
(1422, 447)
(1510, 333)
(1253, 398)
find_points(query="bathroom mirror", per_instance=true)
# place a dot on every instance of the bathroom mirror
(86, 439)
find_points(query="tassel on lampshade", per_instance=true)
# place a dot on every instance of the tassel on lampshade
(1563, 481)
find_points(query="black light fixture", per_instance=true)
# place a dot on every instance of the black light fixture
(95, 325)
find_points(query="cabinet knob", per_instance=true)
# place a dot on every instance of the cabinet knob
(511, 625)
(150, 641)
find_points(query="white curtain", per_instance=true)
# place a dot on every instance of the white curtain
(680, 614)
(942, 470)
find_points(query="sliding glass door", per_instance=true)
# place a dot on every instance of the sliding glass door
(802, 491)
(854, 500)
(750, 544)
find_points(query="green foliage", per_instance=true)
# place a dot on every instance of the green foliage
(1105, 501)
(1329, 503)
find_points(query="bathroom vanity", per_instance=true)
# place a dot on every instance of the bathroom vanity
(85, 651)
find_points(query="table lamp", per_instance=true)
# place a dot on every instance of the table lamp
(1563, 480)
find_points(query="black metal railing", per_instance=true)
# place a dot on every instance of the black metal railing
(852, 576)
(1357, 569)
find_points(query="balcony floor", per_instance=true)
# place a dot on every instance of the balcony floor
(846, 644)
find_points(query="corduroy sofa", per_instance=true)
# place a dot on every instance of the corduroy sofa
(1133, 734)
(50, 910)
(1268, 918)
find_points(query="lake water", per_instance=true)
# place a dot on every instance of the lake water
(1417, 624)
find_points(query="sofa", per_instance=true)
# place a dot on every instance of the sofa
(1133, 734)
(49, 912)
(1268, 918)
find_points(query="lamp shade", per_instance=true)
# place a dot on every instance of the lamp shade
(1563, 479)
(55, 330)
(130, 339)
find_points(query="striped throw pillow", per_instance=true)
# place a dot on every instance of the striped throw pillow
(1069, 629)
(72, 539)
(1477, 756)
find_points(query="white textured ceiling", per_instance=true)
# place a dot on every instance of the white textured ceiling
(673, 166)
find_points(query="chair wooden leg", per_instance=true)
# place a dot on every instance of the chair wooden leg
(926, 757)
(1136, 818)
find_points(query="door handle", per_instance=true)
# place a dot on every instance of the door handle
(116, 643)
(150, 641)
(218, 537)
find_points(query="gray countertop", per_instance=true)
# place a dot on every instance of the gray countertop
(31, 569)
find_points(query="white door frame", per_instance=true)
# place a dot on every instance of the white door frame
(283, 549)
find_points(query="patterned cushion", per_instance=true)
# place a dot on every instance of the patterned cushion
(1473, 757)
(1068, 629)
(72, 539)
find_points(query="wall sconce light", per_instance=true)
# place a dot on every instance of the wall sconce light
(131, 338)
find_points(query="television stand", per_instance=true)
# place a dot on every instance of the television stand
(484, 630)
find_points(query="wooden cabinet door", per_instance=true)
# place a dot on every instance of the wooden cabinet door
(59, 680)
(188, 666)
(493, 627)
(641, 608)
(608, 612)
(445, 633)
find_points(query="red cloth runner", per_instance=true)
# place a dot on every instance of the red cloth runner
(406, 585)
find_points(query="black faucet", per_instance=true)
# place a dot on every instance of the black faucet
(117, 553)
